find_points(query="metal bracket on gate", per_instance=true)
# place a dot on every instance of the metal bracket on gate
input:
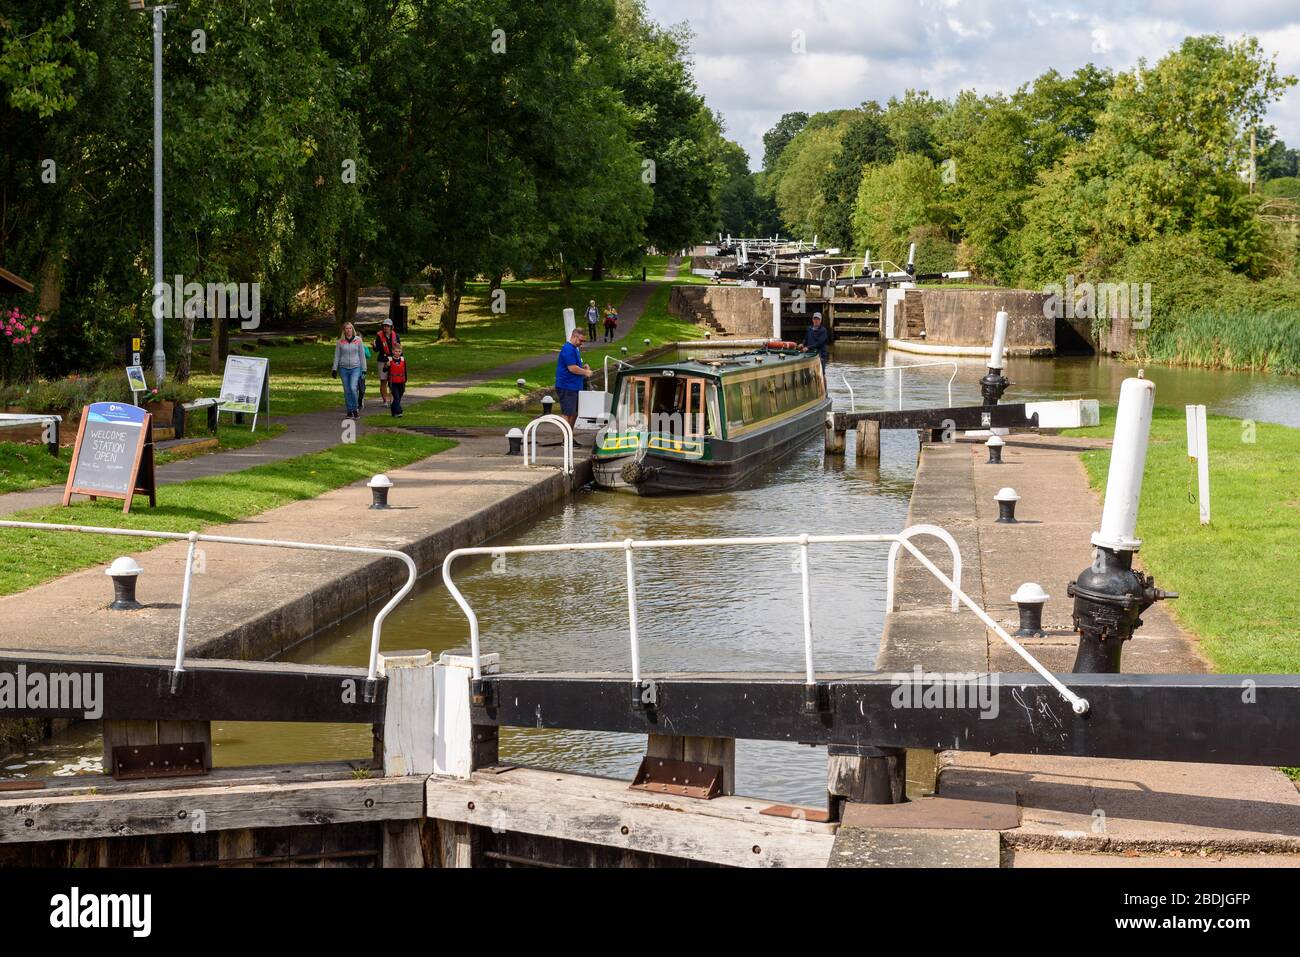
(134, 761)
(679, 778)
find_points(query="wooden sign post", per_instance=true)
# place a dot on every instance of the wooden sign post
(113, 457)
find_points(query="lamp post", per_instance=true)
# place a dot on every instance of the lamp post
(159, 355)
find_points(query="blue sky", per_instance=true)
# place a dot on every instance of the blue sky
(872, 49)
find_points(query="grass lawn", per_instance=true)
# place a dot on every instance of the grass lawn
(532, 323)
(28, 558)
(27, 466)
(1236, 577)
(657, 271)
(471, 407)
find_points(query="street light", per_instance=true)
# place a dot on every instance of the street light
(159, 356)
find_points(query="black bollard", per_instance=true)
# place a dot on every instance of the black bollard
(379, 486)
(1006, 499)
(125, 573)
(995, 444)
(1030, 599)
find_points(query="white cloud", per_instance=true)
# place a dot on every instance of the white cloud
(875, 49)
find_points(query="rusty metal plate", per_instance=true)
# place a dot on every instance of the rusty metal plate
(158, 760)
(21, 785)
(794, 812)
(679, 778)
(961, 808)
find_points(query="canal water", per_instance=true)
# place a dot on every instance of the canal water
(736, 609)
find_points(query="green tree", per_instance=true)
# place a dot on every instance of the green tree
(802, 166)
(896, 200)
(779, 136)
(1164, 160)
(865, 142)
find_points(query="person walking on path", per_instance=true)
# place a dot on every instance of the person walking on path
(611, 321)
(817, 339)
(350, 366)
(593, 317)
(385, 341)
(571, 375)
(396, 380)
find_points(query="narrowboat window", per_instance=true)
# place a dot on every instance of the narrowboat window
(715, 419)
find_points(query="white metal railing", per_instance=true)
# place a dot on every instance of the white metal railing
(629, 546)
(853, 399)
(16, 420)
(195, 537)
(530, 440)
(605, 369)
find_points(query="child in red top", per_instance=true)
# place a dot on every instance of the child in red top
(396, 380)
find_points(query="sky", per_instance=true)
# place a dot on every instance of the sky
(856, 50)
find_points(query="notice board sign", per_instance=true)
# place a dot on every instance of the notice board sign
(113, 457)
(135, 379)
(246, 386)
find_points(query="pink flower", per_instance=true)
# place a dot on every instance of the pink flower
(35, 330)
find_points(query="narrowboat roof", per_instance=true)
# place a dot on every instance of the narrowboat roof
(718, 366)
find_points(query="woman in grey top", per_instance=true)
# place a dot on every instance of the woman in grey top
(350, 366)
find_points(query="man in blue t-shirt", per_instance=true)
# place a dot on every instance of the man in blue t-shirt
(571, 375)
(817, 339)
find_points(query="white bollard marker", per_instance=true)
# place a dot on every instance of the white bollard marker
(570, 323)
(997, 354)
(1137, 397)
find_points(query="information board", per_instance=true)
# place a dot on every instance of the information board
(246, 386)
(113, 455)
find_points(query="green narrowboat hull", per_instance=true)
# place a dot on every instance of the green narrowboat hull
(726, 464)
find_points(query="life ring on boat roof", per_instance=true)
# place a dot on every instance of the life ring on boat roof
(780, 344)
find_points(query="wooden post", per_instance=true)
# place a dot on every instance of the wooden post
(875, 779)
(834, 438)
(922, 773)
(403, 844)
(408, 712)
(719, 751)
(868, 440)
(454, 745)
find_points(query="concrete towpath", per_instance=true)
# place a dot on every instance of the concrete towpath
(250, 602)
(309, 432)
(1073, 811)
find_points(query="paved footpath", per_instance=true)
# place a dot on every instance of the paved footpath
(316, 431)
(1074, 811)
(253, 602)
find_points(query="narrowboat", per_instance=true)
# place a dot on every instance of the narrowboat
(709, 423)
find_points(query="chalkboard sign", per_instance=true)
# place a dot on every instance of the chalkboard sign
(113, 457)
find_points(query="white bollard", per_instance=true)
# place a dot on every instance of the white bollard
(1198, 448)
(997, 354)
(1128, 456)
(570, 323)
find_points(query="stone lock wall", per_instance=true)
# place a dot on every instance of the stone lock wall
(965, 317)
(732, 310)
